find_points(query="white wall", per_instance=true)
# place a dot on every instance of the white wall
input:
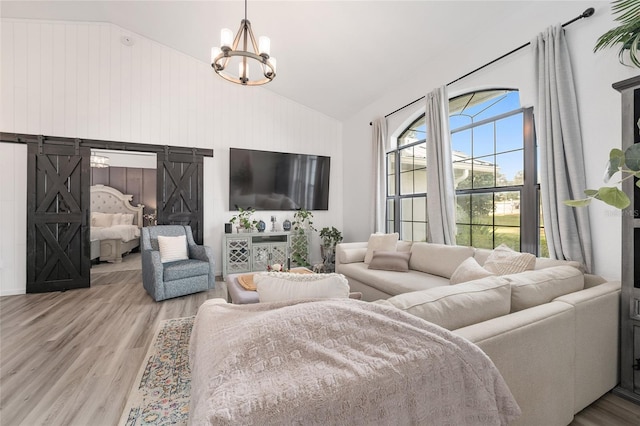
(599, 109)
(77, 79)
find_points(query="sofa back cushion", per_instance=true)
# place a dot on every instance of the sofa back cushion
(438, 259)
(456, 306)
(532, 288)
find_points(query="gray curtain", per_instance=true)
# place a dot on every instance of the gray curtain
(441, 195)
(380, 148)
(562, 162)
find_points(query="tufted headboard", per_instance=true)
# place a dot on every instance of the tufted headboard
(106, 199)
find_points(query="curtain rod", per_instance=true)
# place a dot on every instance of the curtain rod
(587, 13)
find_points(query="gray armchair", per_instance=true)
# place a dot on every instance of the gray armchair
(172, 279)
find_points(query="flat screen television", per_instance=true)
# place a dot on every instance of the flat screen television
(266, 180)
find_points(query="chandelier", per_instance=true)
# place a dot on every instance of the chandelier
(98, 161)
(259, 53)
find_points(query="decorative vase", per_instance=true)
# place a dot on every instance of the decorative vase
(261, 226)
(286, 225)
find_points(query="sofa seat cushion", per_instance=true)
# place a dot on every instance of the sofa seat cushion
(391, 282)
(185, 269)
(457, 306)
(532, 288)
(438, 259)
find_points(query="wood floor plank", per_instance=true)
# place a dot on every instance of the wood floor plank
(70, 358)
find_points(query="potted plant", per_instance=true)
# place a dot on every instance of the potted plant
(330, 237)
(627, 34)
(243, 219)
(302, 226)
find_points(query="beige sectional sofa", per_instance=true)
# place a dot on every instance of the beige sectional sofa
(552, 332)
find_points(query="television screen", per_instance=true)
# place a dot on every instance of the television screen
(268, 180)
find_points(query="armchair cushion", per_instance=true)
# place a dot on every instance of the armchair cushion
(185, 269)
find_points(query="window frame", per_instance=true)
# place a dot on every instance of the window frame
(529, 190)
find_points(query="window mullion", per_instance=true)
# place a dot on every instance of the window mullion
(529, 232)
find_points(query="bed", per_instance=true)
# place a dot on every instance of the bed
(115, 223)
(337, 361)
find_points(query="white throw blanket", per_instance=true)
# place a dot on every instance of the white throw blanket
(115, 232)
(338, 361)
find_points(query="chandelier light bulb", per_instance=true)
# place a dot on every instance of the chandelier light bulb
(243, 72)
(215, 51)
(264, 46)
(226, 37)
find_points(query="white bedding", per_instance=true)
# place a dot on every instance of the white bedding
(337, 361)
(115, 232)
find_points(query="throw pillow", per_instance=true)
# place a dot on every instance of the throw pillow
(504, 261)
(390, 261)
(382, 242)
(101, 220)
(281, 286)
(173, 248)
(469, 270)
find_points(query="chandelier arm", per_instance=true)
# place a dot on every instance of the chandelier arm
(255, 49)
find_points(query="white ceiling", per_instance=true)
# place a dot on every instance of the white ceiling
(335, 57)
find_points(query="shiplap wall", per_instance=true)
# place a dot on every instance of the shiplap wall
(77, 79)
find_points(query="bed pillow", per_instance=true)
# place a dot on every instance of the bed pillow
(282, 286)
(505, 261)
(382, 242)
(123, 219)
(469, 270)
(101, 220)
(390, 261)
(173, 248)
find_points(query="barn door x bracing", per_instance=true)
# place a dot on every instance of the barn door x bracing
(57, 210)
(180, 191)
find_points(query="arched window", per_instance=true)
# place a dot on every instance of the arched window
(495, 173)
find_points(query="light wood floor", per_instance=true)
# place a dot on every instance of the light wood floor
(70, 358)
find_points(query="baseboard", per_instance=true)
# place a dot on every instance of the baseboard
(626, 394)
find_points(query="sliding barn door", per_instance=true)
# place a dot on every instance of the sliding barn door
(57, 216)
(180, 191)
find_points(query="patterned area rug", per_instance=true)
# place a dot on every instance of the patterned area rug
(162, 388)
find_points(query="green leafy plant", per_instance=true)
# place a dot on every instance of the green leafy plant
(330, 237)
(244, 220)
(626, 163)
(302, 224)
(627, 34)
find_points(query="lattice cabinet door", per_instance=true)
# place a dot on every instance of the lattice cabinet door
(261, 257)
(279, 254)
(238, 255)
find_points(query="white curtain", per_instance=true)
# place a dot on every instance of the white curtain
(441, 195)
(380, 148)
(562, 162)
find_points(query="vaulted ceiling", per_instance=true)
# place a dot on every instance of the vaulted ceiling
(335, 57)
